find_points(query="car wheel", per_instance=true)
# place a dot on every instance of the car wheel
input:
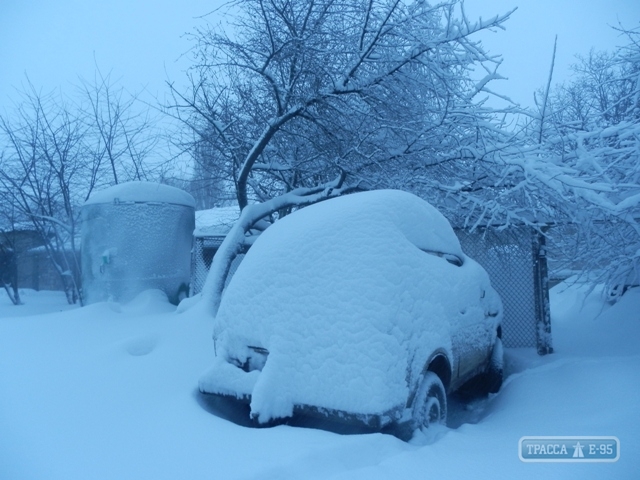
(495, 370)
(430, 404)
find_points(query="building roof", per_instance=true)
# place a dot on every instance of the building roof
(215, 222)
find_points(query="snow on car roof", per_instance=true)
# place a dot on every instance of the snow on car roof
(137, 191)
(335, 291)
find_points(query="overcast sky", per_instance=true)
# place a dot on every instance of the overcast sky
(140, 41)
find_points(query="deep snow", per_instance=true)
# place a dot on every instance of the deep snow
(215, 221)
(108, 392)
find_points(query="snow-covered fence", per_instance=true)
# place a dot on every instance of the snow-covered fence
(201, 256)
(204, 248)
(516, 261)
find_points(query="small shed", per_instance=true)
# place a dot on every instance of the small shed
(24, 261)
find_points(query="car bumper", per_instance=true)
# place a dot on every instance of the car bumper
(226, 380)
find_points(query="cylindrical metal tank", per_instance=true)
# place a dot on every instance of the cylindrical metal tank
(136, 236)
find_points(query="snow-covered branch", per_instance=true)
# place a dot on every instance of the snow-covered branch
(251, 216)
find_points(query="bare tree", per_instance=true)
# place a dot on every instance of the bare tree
(302, 101)
(56, 152)
(300, 90)
(43, 169)
(594, 136)
(117, 129)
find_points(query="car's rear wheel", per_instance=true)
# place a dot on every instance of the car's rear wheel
(492, 378)
(430, 403)
(488, 381)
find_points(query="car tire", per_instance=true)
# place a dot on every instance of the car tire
(430, 403)
(492, 378)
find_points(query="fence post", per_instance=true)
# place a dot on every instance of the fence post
(541, 285)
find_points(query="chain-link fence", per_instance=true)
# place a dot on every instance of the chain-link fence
(204, 248)
(516, 262)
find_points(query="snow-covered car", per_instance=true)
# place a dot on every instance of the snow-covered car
(362, 308)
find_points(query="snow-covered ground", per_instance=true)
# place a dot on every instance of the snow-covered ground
(109, 392)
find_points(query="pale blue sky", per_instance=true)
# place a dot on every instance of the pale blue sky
(527, 43)
(54, 42)
(140, 41)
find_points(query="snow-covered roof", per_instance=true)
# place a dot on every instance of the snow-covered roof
(142, 192)
(6, 226)
(216, 221)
